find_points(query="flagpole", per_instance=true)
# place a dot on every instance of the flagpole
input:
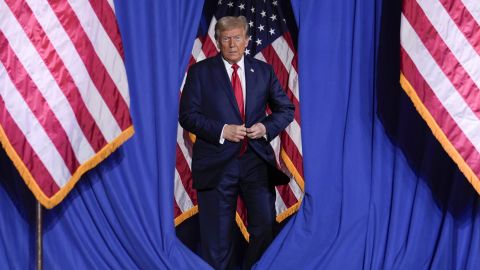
(39, 244)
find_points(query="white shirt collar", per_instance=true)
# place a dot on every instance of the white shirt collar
(240, 63)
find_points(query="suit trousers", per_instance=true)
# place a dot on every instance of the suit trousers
(246, 176)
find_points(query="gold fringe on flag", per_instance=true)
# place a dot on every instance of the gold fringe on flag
(50, 202)
(438, 133)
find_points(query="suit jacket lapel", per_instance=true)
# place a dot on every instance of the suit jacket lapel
(226, 85)
(250, 79)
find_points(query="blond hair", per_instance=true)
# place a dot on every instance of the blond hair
(230, 22)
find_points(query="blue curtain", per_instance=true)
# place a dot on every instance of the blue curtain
(380, 191)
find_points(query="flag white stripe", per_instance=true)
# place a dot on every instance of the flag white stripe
(197, 54)
(181, 196)
(74, 64)
(211, 32)
(473, 7)
(296, 189)
(293, 83)
(453, 37)
(293, 129)
(103, 45)
(280, 206)
(46, 84)
(183, 82)
(283, 51)
(32, 129)
(461, 113)
(275, 143)
(197, 48)
(260, 57)
(200, 56)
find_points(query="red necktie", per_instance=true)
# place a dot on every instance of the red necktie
(237, 90)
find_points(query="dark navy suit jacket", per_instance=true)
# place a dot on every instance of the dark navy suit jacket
(208, 102)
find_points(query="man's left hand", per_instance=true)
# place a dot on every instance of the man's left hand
(256, 131)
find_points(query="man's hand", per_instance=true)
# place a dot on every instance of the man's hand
(256, 131)
(234, 133)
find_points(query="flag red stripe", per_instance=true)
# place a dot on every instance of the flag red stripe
(439, 113)
(185, 174)
(295, 62)
(208, 47)
(57, 68)
(107, 17)
(25, 152)
(464, 21)
(273, 59)
(295, 103)
(444, 58)
(176, 209)
(191, 61)
(37, 104)
(287, 195)
(242, 210)
(92, 62)
(282, 74)
(292, 151)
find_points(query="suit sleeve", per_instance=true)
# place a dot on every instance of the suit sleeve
(282, 109)
(191, 117)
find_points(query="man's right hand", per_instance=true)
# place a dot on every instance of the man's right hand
(234, 133)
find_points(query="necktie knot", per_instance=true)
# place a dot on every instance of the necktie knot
(235, 67)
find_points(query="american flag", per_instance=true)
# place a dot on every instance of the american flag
(270, 41)
(64, 101)
(440, 71)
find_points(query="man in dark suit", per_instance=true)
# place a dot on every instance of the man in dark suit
(224, 104)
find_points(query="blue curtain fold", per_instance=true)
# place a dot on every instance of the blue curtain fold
(380, 191)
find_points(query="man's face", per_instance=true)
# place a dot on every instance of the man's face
(232, 44)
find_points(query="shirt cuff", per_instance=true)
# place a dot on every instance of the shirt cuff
(222, 139)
